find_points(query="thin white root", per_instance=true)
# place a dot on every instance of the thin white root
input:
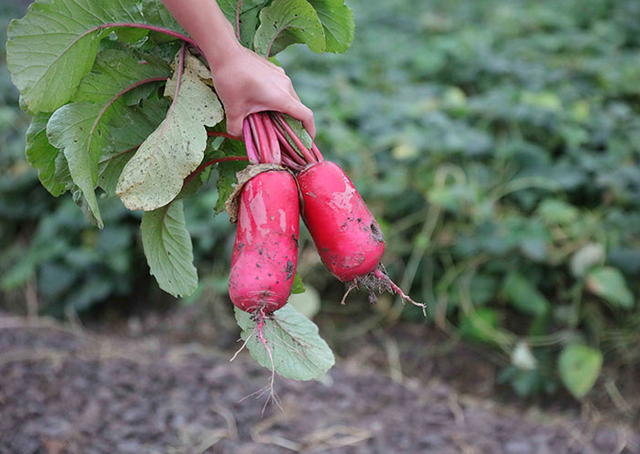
(344, 297)
(382, 276)
(244, 344)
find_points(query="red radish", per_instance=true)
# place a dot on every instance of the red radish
(347, 236)
(265, 252)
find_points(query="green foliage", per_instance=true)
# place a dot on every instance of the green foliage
(285, 22)
(167, 245)
(98, 87)
(67, 35)
(298, 350)
(101, 128)
(154, 176)
(579, 367)
(498, 142)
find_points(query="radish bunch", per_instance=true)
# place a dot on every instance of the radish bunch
(347, 236)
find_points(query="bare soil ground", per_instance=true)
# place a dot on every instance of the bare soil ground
(63, 390)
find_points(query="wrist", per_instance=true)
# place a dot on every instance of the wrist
(222, 51)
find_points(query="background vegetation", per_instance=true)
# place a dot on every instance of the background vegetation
(497, 142)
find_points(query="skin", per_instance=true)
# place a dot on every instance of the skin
(265, 253)
(348, 238)
(244, 81)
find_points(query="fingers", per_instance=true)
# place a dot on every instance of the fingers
(234, 125)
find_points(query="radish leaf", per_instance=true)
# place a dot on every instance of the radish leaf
(249, 11)
(67, 35)
(155, 174)
(128, 132)
(81, 129)
(298, 350)
(337, 21)
(42, 155)
(288, 22)
(167, 246)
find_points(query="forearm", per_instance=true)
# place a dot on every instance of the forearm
(208, 26)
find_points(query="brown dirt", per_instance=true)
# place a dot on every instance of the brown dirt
(66, 391)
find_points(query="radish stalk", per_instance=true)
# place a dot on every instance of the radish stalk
(272, 137)
(296, 140)
(254, 135)
(265, 149)
(248, 141)
(288, 149)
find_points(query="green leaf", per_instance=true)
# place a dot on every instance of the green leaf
(299, 130)
(131, 35)
(588, 256)
(608, 283)
(298, 350)
(226, 181)
(42, 155)
(54, 46)
(480, 325)
(337, 21)
(167, 246)
(128, 132)
(227, 170)
(249, 11)
(155, 174)
(579, 368)
(116, 70)
(155, 13)
(290, 21)
(81, 129)
(298, 285)
(524, 296)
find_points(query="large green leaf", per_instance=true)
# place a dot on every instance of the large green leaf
(608, 283)
(291, 21)
(81, 129)
(128, 132)
(117, 69)
(155, 174)
(42, 155)
(167, 246)
(298, 350)
(249, 11)
(54, 46)
(337, 21)
(579, 368)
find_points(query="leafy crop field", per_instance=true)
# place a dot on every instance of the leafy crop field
(498, 144)
(500, 141)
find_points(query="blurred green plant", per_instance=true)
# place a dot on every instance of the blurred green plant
(497, 142)
(500, 142)
(46, 242)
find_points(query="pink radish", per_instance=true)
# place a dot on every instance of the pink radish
(347, 236)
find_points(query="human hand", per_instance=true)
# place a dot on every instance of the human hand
(247, 83)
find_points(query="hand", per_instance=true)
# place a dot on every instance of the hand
(247, 83)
